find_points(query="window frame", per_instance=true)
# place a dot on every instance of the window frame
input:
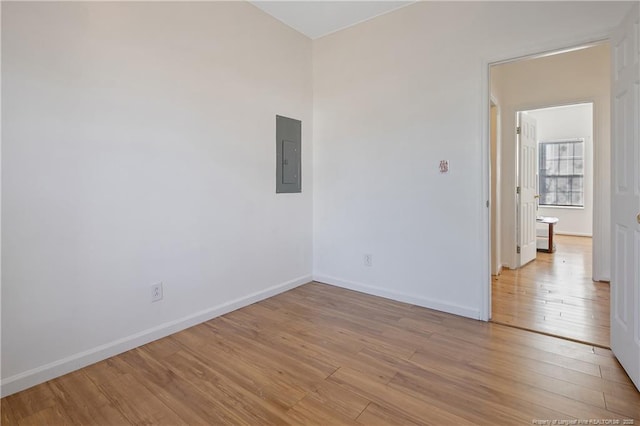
(569, 176)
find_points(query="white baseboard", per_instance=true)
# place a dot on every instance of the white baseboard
(74, 362)
(574, 234)
(400, 297)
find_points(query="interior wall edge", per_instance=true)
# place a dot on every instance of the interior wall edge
(76, 361)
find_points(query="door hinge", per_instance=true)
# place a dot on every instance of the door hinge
(517, 249)
(518, 130)
(517, 189)
(638, 215)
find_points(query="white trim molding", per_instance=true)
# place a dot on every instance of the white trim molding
(574, 234)
(74, 362)
(437, 305)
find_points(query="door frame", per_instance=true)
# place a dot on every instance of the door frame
(596, 165)
(485, 181)
(495, 182)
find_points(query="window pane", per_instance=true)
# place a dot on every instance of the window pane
(576, 184)
(563, 150)
(578, 167)
(562, 184)
(552, 167)
(576, 199)
(564, 167)
(563, 199)
(578, 148)
(549, 185)
(548, 199)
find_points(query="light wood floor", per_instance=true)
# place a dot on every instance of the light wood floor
(555, 294)
(324, 355)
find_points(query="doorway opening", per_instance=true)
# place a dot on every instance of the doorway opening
(549, 162)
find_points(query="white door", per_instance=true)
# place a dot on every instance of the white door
(625, 213)
(527, 186)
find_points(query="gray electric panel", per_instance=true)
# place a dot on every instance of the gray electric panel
(288, 155)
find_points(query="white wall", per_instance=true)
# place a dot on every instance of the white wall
(393, 97)
(138, 145)
(579, 76)
(570, 122)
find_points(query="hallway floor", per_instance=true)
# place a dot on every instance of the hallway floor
(555, 295)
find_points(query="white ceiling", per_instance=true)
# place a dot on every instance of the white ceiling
(319, 18)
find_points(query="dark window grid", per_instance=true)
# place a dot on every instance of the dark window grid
(561, 173)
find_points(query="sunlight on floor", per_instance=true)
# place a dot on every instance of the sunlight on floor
(555, 295)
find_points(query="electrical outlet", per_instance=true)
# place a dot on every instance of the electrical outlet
(368, 260)
(156, 292)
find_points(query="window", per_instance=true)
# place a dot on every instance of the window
(561, 173)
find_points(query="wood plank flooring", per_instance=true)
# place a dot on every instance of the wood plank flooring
(554, 294)
(323, 355)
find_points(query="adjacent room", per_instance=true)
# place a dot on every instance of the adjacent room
(290, 212)
(553, 274)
